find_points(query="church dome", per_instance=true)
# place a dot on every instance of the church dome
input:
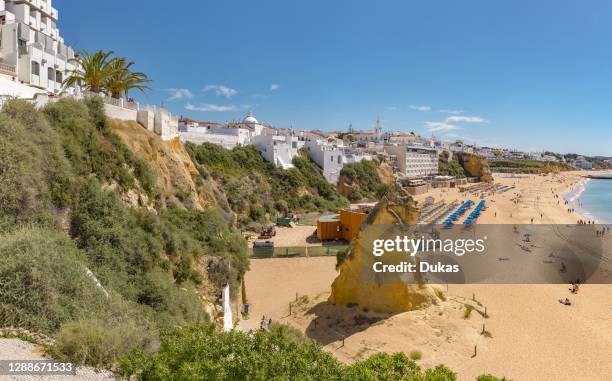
(250, 118)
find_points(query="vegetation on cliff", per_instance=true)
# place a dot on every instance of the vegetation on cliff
(474, 166)
(361, 181)
(528, 166)
(255, 189)
(77, 261)
(448, 167)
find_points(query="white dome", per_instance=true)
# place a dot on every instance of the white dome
(250, 118)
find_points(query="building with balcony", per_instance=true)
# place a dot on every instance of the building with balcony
(32, 51)
(414, 161)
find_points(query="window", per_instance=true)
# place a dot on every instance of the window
(332, 158)
(35, 68)
(59, 77)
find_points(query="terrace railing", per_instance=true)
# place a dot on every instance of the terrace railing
(8, 69)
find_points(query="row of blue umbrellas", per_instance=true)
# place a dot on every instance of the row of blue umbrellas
(459, 212)
(445, 213)
(475, 213)
(432, 211)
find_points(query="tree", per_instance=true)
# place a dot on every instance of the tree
(122, 79)
(92, 70)
(99, 72)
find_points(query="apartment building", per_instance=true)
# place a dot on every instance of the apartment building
(414, 161)
(32, 51)
(332, 157)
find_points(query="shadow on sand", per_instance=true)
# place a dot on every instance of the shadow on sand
(332, 323)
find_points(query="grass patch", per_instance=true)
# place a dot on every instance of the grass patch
(415, 355)
(467, 312)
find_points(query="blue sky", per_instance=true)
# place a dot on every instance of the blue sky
(531, 75)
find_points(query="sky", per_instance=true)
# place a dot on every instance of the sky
(524, 74)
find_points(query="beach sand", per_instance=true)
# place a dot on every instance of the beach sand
(533, 336)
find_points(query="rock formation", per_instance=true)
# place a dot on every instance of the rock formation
(475, 166)
(352, 287)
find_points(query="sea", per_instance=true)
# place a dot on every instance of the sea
(593, 199)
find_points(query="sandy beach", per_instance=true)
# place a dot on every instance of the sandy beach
(529, 334)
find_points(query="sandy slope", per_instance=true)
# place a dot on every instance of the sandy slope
(533, 336)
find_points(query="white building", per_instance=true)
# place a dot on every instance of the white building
(582, 163)
(332, 157)
(277, 149)
(210, 132)
(459, 146)
(414, 161)
(32, 52)
(364, 138)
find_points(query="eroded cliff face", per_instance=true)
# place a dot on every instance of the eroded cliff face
(176, 173)
(475, 166)
(353, 287)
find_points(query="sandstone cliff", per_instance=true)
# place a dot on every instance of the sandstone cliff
(475, 166)
(351, 287)
(174, 169)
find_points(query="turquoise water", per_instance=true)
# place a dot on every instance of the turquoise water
(596, 200)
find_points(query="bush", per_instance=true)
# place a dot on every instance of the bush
(364, 180)
(98, 343)
(205, 353)
(488, 377)
(43, 281)
(416, 355)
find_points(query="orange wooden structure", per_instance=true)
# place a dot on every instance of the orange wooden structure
(340, 226)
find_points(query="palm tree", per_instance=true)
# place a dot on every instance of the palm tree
(122, 79)
(92, 70)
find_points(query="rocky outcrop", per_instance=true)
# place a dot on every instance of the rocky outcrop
(174, 169)
(351, 287)
(475, 166)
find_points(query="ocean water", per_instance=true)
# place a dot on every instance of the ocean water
(595, 200)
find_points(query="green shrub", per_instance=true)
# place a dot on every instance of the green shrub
(488, 377)
(416, 355)
(364, 179)
(99, 343)
(467, 312)
(254, 187)
(43, 281)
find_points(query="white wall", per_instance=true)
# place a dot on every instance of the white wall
(146, 118)
(120, 113)
(166, 126)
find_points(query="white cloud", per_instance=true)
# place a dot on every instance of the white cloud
(176, 94)
(274, 87)
(465, 119)
(391, 108)
(214, 107)
(439, 126)
(221, 91)
(419, 108)
(452, 112)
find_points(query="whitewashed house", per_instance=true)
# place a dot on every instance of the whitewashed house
(332, 157)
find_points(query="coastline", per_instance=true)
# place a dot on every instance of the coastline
(573, 197)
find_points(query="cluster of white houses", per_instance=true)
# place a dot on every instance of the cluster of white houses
(412, 156)
(35, 61)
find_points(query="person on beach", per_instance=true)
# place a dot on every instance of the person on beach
(565, 302)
